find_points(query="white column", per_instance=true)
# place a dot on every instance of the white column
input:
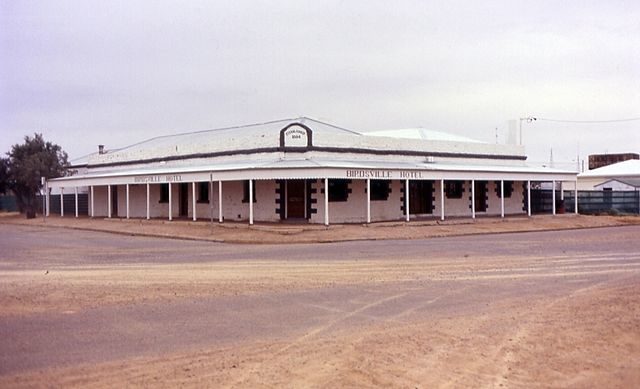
(502, 198)
(109, 201)
(529, 198)
(368, 200)
(193, 200)
(406, 200)
(148, 202)
(326, 201)
(575, 200)
(47, 200)
(220, 217)
(250, 202)
(561, 191)
(442, 199)
(92, 208)
(211, 197)
(61, 202)
(127, 200)
(553, 197)
(170, 205)
(76, 199)
(473, 199)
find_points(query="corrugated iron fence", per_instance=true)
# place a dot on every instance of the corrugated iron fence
(589, 201)
(69, 204)
(604, 201)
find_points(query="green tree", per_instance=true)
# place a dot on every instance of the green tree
(27, 163)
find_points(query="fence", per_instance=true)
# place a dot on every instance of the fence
(69, 204)
(589, 201)
(8, 203)
(604, 201)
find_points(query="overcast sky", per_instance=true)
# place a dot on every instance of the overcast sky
(116, 72)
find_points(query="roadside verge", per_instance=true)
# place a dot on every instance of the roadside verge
(309, 233)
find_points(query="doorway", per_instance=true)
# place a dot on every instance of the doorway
(183, 200)
(114, 200)
(420, 197)
(296, 199)
(481, 196)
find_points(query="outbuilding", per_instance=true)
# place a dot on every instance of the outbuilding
(308, 170)
(625, 171)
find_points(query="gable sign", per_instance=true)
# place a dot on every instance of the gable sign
(295, 136)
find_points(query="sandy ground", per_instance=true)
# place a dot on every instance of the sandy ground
(541, 309)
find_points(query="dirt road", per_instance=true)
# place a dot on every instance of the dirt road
(537, 309)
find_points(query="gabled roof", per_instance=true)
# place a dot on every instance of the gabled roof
(267, 137)
(634, 182)
(629, 168)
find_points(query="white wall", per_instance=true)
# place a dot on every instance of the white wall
(264, 207)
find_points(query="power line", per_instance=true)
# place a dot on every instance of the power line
(590, 121)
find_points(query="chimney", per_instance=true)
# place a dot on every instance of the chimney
(100, 149)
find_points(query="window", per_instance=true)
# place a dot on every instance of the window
(454, 189)
(203, 192)
(164, 193)
(245, 191)
(338, 190)
(380, 190)
(508, 189)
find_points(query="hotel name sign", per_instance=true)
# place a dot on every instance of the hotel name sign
(375, 174)
(155, 179)
(381, 174)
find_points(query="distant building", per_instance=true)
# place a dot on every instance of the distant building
(619, 184)
(626, 171)
(597, 161)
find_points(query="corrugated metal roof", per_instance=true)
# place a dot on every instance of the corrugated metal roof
(219, 137)
(265, 137)
(220, 140)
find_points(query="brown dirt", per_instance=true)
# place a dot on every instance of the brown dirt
(590, 338)
(579, 328)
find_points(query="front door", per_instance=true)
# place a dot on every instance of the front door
(183, 200)
(295, 199)
(420, 197)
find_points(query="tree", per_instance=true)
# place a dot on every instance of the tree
(4, 175)
(27, 163)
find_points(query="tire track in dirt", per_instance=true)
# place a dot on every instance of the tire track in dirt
(277, 355)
